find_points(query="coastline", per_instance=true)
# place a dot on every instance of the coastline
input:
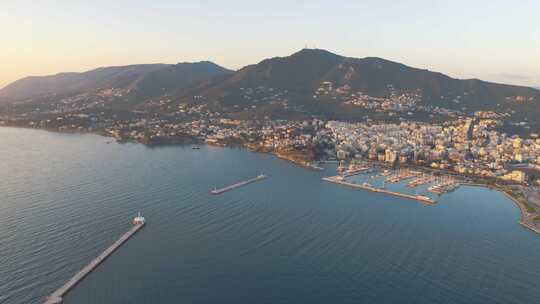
(526, 220)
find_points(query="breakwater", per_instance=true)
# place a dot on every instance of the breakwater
(420, 198)
(237, 185)
(57, 296)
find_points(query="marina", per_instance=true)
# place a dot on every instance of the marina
(400, 176)
(419, 181)
(443, 187)
(57, 296)
(366, 186)
(437, 184)
(355, 171)
(216, 191)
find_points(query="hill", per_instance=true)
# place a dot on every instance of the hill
(311, 82)
(143, 80)
(321, 83)
(174, 77)
(304, 72)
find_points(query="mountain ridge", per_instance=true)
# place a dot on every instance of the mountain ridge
(128, 76)
(313, 82)
(303, 71)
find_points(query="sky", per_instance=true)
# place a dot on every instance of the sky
(492, 40)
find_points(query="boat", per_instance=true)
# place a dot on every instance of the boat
(139, 219)
(315, 166)
(195, 148)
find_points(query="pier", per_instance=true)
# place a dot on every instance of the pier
(57, 296)
(356, 171)
(237, 185)
(420, 198)
(400, 176)
(420, 181)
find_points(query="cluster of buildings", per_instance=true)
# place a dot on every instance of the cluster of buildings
(394, 101)
(466, 146)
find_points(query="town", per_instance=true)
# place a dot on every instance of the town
(469, 147)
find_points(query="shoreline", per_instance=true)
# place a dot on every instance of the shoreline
(526, 218)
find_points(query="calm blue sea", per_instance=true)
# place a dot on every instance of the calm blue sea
(291, 238)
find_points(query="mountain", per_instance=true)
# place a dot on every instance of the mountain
(310, 82)
(302, 73)
(67, 83)
(143, 80)
(317, 82)
(174, 77)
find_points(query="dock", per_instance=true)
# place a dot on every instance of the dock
(356, 171)
(420, 198)
(216, 191)
(57, 296)
(401, 176)
(420, 181)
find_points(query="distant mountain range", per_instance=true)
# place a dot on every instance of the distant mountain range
(293, 81)
(143, 80)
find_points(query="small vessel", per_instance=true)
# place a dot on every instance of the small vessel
(315, 166)
(139, 219)
(195, 147)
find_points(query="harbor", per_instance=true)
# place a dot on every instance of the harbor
(401, 175)
(352, 170)
(217, 191)
(365, 186)
(355, 171)
(443, 186)
(419, 181)
(437, 184)
(57, 296)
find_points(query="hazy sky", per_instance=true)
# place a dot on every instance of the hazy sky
(497, 40)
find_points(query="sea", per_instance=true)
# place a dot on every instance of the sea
(291, 238)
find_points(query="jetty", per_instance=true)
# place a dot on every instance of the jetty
(443, 186)
(237, 185)
(57, 296)
(401, 175)
(421, 181)
(355, 171)
(366, 186)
